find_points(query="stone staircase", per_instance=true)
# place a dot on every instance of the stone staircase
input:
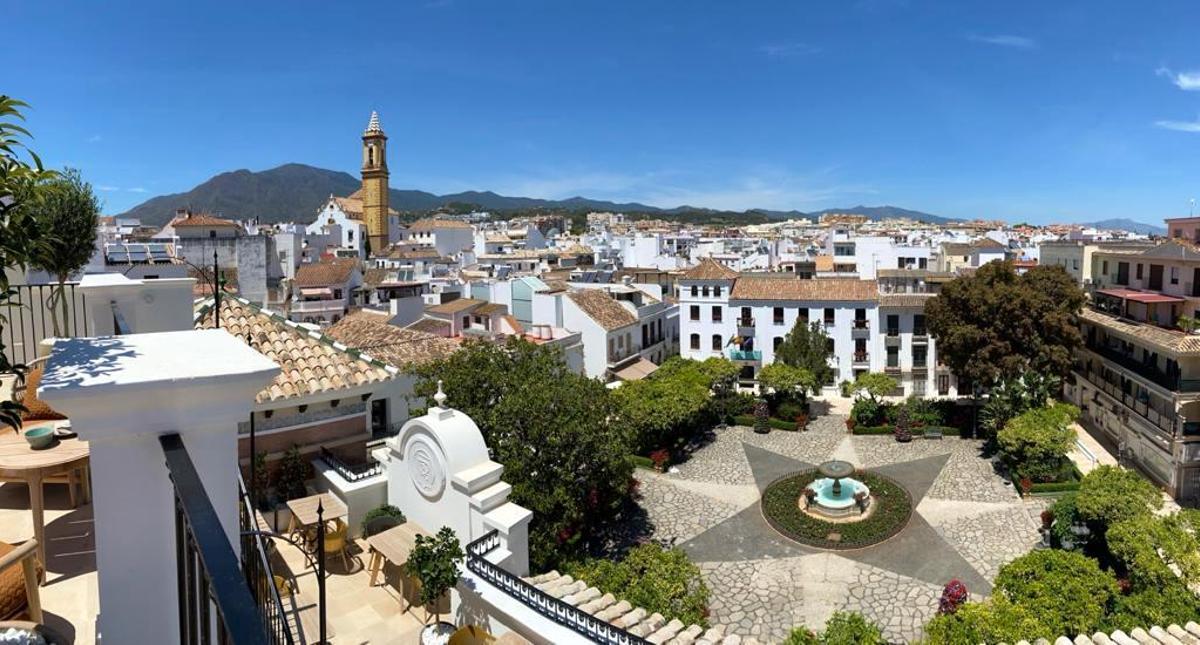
(653, 627)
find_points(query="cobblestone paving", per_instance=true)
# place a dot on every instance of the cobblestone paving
(988, 541)
(967, 476)
(723, 460)
(678, 514)
(899, 605)
(758, 593)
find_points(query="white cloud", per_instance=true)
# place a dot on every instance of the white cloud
(1189, 81)
(788, 50)
(137, 189)
(1180, 126)
(1005, 40)
(95, 138)
(107, 188)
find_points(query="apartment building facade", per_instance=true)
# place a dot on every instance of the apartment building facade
(1137, 376)
(745, 317)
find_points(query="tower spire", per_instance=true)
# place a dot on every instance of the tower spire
(373, 124)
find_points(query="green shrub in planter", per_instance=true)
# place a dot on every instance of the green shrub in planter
(386, 510)
(642, 462)
(434, 562)
(292, 475)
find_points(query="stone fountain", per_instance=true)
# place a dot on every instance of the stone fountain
(836, 494)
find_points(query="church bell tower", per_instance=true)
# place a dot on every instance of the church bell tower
(375, 185)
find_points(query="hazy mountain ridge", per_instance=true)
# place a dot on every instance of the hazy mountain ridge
(295, 192)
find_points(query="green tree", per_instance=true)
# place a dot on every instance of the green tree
(1172, 604)
(787, 382)
(996, 620)
(657, 579)
(1036, 443)
(1158, 551)
(995, 325)
(1064, 591)
(809, 348)
(1111, 494)
(21, 176)
(873, 386)
(434, 561)
(67, 212)
(665, 406)
(1011, 397)
(564, 448)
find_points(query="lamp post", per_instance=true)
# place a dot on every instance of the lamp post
(215, 282)
(321, 567)
(253, 454)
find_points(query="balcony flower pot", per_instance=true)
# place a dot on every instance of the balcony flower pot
(437, 633)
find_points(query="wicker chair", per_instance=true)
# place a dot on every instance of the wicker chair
(336, 543)
(19, 582)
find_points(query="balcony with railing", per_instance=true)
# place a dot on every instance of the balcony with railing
(1123, 359)
(745, 324)
(861, 358)
(1168, 423)
(920, 335)
(860, 328)
(745, 355)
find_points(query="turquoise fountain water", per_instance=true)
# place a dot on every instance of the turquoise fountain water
(836, 492)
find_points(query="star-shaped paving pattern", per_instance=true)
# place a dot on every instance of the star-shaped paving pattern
(918, 551)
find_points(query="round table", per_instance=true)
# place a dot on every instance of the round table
(19, 461)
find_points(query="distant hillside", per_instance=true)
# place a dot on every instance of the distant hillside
(294, 192)
(1126, 224)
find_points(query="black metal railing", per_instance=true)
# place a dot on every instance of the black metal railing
(260, 575)
(573, 618)
(1125, 359)
(29, 319)
(215, 603)
(351, 473)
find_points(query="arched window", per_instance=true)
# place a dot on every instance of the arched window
(371, 155)
(717, 344)
(695, 341)
(706, 291)
(778, 341)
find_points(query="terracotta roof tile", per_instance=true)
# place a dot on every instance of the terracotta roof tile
(429, 223)
(431, 326)
(709, 269)
(309, 362)
(325, 273)
(904, 299)
(396, 346)
(1170, 339)
(602, 308)
(202, 219)
(455, 306)
(815, 289)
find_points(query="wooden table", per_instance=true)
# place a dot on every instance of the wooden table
(19, 461)
(393, 545)
(304, 510)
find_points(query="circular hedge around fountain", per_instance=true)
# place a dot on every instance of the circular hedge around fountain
(781, 508)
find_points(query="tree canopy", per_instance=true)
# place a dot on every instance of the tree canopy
(995, 325)
(873, 386)
(557, 433)
(1111, 494)
(660, 580)
(67, 212)
(21, 176)
(1158, 551)
(808, 347)
(672, 401)
(1036, 443)
(1064, 591)
(787, 381)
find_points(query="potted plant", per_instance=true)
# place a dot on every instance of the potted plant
(1026, 486)
(434, 563)
(850, 423)
(903, 430)
(801, 422)
(954, 594)
(393, 515)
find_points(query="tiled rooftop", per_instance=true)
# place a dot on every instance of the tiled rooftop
(600, 307)
(709, 269)
(310, 362)
(814, 290)
(325, 273)
(396, 346)
(1170, 339)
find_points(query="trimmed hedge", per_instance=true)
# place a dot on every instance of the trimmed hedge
(1053, 487)
(778, 424)
(1068, 482)
(887, 430)
(781, 509)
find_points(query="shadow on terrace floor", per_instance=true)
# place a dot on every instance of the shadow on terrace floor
(70, 597)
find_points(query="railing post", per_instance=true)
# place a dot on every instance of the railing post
(321, 567)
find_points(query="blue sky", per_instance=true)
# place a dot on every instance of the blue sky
(1043, 111)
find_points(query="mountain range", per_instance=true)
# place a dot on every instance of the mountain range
(295, 192)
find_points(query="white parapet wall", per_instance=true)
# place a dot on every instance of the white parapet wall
(359, 496)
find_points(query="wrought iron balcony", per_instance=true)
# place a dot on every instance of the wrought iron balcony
(745, 322)
(861, 358)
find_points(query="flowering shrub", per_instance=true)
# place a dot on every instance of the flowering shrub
(1026, 486)
(762, 417)
(660, 458)
(1047, 518)
(954, 594)
(801, 422)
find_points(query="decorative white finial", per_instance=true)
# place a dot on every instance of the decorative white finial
(440, 397)
(373, 124)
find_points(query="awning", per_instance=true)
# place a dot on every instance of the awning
(638, 370)
(316, 291)
(1145, 297)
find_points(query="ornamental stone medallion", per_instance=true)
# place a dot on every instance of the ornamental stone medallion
(427, 470)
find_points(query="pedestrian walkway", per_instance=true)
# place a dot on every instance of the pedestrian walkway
(1091, 449)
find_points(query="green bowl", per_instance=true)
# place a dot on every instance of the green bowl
(40, 437)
